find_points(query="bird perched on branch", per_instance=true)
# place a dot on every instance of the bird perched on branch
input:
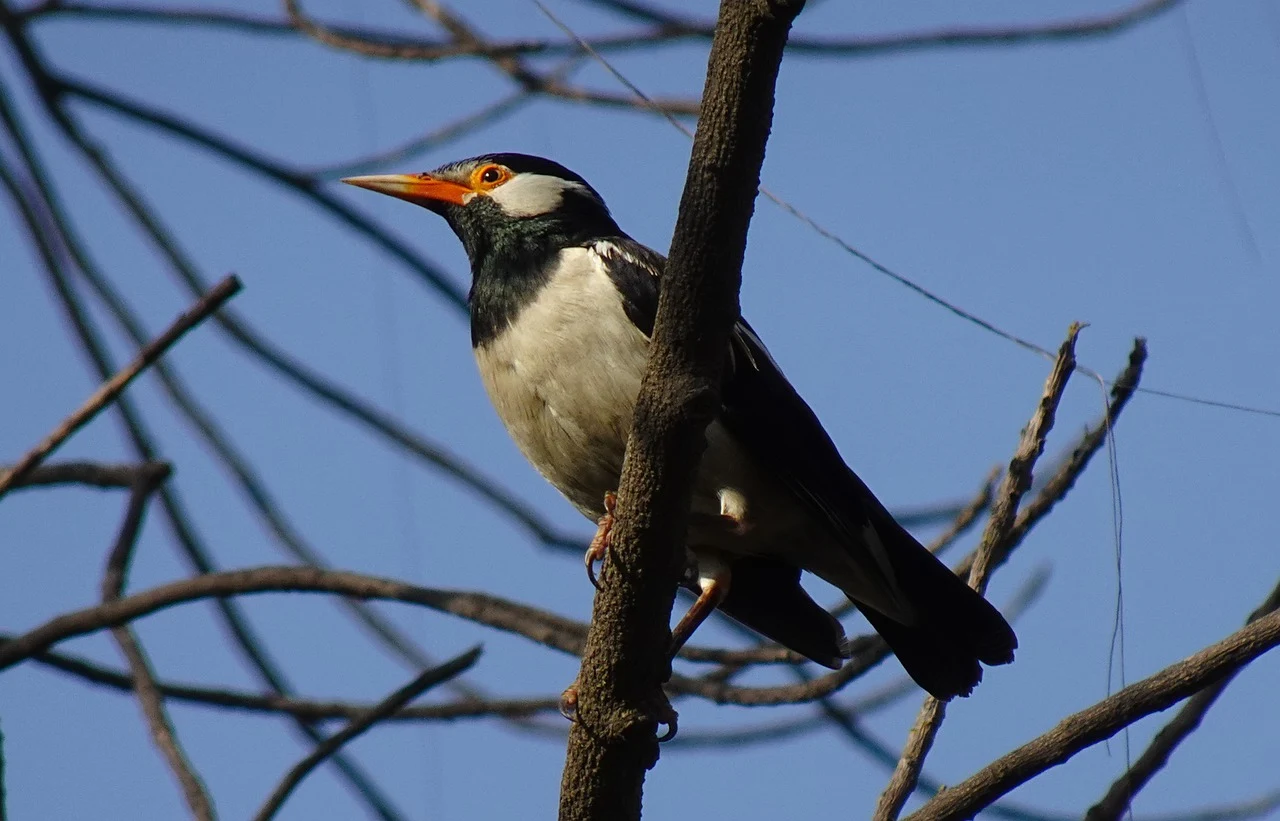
(562, 308)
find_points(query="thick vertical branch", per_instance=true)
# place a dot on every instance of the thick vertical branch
(613, 740)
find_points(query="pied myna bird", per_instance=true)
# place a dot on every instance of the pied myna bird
(562, 307)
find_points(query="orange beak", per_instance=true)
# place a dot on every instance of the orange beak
(419, 189)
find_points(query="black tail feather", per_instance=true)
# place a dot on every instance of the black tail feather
(954, 630)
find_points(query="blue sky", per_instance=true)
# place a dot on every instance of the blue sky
(1034, 186)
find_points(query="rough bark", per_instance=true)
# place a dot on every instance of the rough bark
(614, 739)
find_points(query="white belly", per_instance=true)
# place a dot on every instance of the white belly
(564, 379)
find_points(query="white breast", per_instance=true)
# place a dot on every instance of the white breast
(564, 379)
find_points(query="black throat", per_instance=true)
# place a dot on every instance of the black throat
(512, 260)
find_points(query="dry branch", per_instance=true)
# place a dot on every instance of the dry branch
(361, 724)
(107, 393)
(996, 543)
(1103, 720)
(35, 214)
(93, 474)
(308, 709)
(1120, 795)
(150, 701)
(659, 27)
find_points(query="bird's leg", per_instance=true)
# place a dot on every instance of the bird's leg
(600, 542)
(713, 581)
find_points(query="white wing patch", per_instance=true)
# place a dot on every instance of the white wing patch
(612, 251)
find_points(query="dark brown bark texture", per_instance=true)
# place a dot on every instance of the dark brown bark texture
(614, 739)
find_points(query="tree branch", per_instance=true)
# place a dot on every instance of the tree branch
(361, 724)
(1118, 798)
(150, 701)
(612, 742)
(996, 542)
(107, 393)
(1103, 720)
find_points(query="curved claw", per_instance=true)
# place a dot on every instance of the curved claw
(599, 546)
(594, 555)
(667, 715)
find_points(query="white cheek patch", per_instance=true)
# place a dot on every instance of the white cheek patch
(531, 195)
(468, 197)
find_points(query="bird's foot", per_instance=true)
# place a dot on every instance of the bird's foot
(666, 716)
(660, 709)
(599, 546)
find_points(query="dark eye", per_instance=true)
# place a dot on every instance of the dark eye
(491, 175)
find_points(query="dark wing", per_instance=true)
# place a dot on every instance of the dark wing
(949, 628)
(763, 411)
(946, 628)
(765, 594)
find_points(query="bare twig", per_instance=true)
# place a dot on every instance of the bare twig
(185, 533)
(995, 543)
(467, 42)
(93, 474)
(273, 704)
(661, 27)
(1103, 720)
(358, 726)
(144, 684)
(548, 629)
(1120, 795)
(290, 368)
(1065, 30)
(106, 394)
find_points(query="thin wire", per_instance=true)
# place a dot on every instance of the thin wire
(880, 267)
(1226, 180)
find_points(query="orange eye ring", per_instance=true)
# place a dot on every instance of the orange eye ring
(488, 177)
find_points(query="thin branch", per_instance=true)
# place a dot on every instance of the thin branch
(150, 701)
(1059, 484)
(1120, 795)
(995, 543)
(661, 28)
(93, 474)
(547, 629)
(1103, 720)
(199, 418)
(544, 628)
(105, 395)
(273, 704)
(360, 725)
(488, 115)
(143, 443)
(976, 36)
(293, 370)
(467, 42)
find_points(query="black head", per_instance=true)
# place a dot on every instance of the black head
(497, 200)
